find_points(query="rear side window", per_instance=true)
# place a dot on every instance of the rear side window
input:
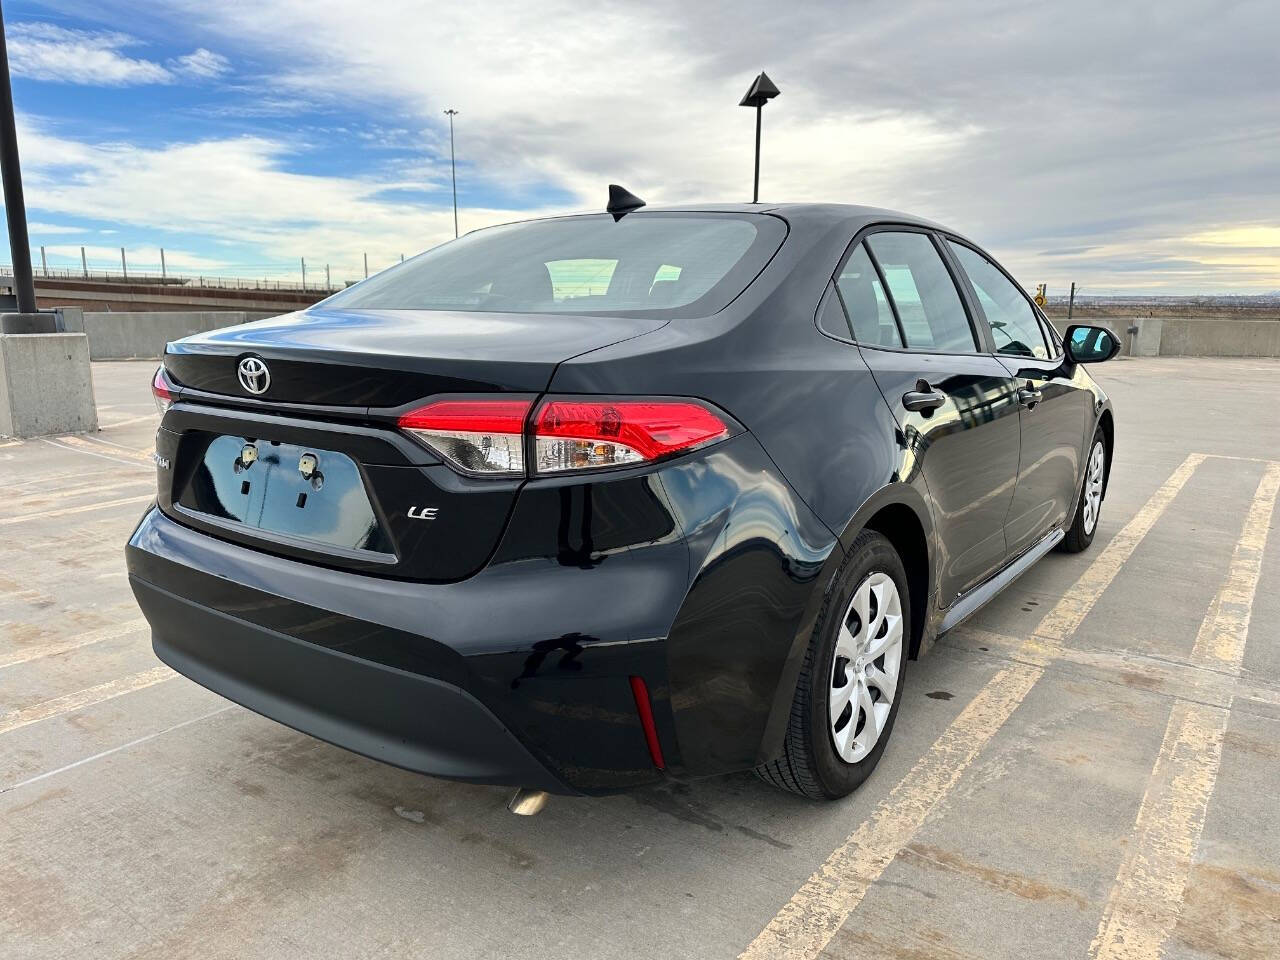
(644, 264)
(869, 312)
(927, 302)
(1014, 325)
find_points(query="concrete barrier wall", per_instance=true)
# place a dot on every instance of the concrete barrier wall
(142, 335)
(1189, 337)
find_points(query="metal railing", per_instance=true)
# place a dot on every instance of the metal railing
(170, 279)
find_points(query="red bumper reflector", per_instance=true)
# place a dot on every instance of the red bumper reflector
(645, 709)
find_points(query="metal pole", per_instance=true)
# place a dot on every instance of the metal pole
(327, 284)
(366, 266)
(15, 206)
(304, 272)
(1071, 301)
(755, 192)
(402, 258)
(44, 264)
(453, 172)
(124, 267)
(84, 263)
(163, 274)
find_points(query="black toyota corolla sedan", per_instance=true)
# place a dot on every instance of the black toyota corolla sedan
(581, 503)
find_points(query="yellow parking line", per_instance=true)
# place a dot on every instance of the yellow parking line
(808, 921)
(1146, 898)
(27, 653)
(118, 449)
(1070, 611)
(804, 926)
(47, 709)
(68, 511)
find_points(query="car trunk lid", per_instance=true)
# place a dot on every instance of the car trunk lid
(314, 467)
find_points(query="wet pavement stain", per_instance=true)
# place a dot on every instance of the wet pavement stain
(1027, 888)
(1231, 912)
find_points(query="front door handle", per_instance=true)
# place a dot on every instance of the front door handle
(923, 398)
(1029, 396)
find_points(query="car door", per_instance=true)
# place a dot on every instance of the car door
(1055, 407)
(955, 403)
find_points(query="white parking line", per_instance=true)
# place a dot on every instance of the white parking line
(47, 709)
(68, 511)
(1146, 898)
(109, 446)
(124, 746)
(94, 453)
(806, 923)
(27, 653)
(129, 422)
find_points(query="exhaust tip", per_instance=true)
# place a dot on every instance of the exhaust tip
(527, 803)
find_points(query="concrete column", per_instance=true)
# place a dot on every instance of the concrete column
(46, 386)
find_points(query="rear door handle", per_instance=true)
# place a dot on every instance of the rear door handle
(1029, 396)
(923, 397)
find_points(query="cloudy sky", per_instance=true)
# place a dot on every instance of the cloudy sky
(1131, 147)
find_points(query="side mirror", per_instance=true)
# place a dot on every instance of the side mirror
(1090, 344)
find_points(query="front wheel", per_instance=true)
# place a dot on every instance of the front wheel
(1085, 522)
(851, 683)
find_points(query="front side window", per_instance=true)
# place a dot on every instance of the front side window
(1014, 325)
(643, 264)
(869, 312)
(928, 305)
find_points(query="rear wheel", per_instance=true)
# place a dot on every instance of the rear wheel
(851, 683)
(1085, 522)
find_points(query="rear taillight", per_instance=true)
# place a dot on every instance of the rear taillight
(484, 437)
(585, 434)
(479, 437)
(161, 391)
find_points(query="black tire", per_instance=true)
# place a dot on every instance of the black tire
(810, 764)
(1083, 524)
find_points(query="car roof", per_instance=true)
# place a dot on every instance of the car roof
(816, 215)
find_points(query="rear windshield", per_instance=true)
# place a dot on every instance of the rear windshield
(644, 264)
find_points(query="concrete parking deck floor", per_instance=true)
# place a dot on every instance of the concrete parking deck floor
(1087, 769)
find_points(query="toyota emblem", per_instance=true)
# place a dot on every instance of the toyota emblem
(254, 375)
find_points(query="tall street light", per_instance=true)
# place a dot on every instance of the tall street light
(761, 92)
(15, 207)
(453, 171)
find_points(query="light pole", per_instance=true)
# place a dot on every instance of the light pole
(15, 207)
(761, 92)
(453, 171)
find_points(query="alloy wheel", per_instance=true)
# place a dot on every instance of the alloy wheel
(1093, 488)
(864, 674)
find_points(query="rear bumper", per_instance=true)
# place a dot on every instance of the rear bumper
(699, 578)
(405, 719)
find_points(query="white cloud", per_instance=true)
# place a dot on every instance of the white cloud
(234, 190)
(1034, 127)
(36, 229)
(45, 51)
(201, 64)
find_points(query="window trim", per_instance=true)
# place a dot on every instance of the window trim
(827, 294)
(1051, 342)
(981, 334)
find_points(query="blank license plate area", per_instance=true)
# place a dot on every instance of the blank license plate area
(282, 488)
